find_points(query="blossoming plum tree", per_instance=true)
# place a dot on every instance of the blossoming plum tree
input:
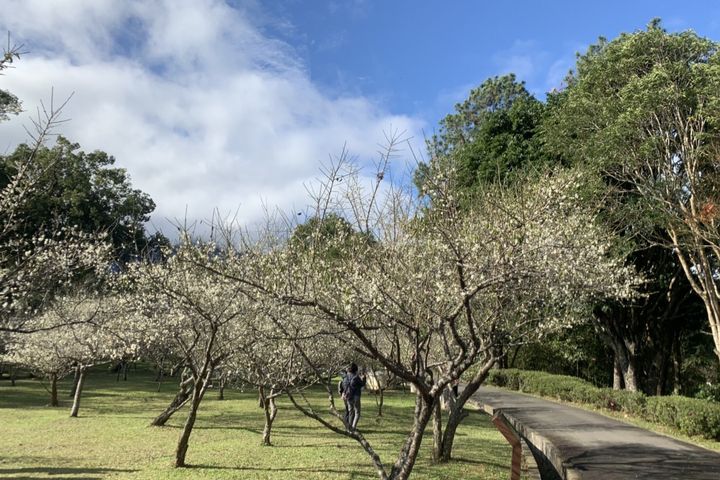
(451, 284)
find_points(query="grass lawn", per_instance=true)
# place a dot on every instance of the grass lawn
(112, 439)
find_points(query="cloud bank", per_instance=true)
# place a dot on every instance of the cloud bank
(202, 108)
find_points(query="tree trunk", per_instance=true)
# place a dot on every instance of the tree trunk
(630, 374)
(617, 373)
(700, 274)
(625, 356)
(181, 398)
(78, 393)
(457, 412)
(713, 313)
(159, 378)
(502, 361)
(406, 459)
(270, 410)
(221, 389)
(662, 368)
(380, 397)
(677, 365)
(126, 367)
(514, 356)
(437, 433)
(663, 362)
(53, 391)
(183, 442)
(447, 399)
(76, 379)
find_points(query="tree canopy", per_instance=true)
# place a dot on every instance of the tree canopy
(492, 136)
(81, 190)
(644, 111)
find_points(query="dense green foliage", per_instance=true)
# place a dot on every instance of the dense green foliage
(622, 92)
(643, 111)
(492, 137)
(691, 416)
(83, 190)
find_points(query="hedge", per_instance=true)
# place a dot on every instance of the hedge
(691, 416)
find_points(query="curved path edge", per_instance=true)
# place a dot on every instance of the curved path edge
(584, 445)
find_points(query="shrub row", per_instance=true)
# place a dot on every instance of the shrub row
(691, 416)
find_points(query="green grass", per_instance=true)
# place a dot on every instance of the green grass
(112, 439)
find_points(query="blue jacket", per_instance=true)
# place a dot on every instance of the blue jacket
(352, 384)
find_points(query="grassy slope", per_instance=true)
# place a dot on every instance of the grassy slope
(111, 438)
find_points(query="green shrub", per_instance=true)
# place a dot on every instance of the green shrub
(632, 403)
(692, 416)
(709, 392)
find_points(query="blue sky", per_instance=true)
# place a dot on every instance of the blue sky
(417, 57)
(234, 104)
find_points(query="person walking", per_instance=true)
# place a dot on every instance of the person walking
(351, 390)
(341, 391)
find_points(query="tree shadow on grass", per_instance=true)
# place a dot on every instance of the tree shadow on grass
(314, 445)
(59, 473)
(498, 464)
(256, 431)
(354, 474)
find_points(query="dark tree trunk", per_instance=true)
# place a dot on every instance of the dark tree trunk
(118, 370)
(380, 399)
(221, 389)
(626, 358)
(181, 398)
(677, 365)
(406, 459)
(457, 409)
(53, 391)
(78, 392)
(514, 356)
(159, 378)
(502, 361)
(184, 441)
(617, 374)
(619, 328)
(662, 361)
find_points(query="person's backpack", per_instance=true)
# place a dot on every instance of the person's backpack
(349, 387)
(352, 386)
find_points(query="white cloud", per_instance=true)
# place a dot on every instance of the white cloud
(523, 58)
(558, 71)
(201, 108)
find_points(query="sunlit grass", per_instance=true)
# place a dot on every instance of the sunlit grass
(112, 439)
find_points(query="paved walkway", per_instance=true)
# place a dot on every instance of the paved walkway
(586, 445)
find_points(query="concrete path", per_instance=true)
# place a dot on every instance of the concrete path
(586, 445)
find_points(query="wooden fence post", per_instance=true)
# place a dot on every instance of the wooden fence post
(502, 424)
